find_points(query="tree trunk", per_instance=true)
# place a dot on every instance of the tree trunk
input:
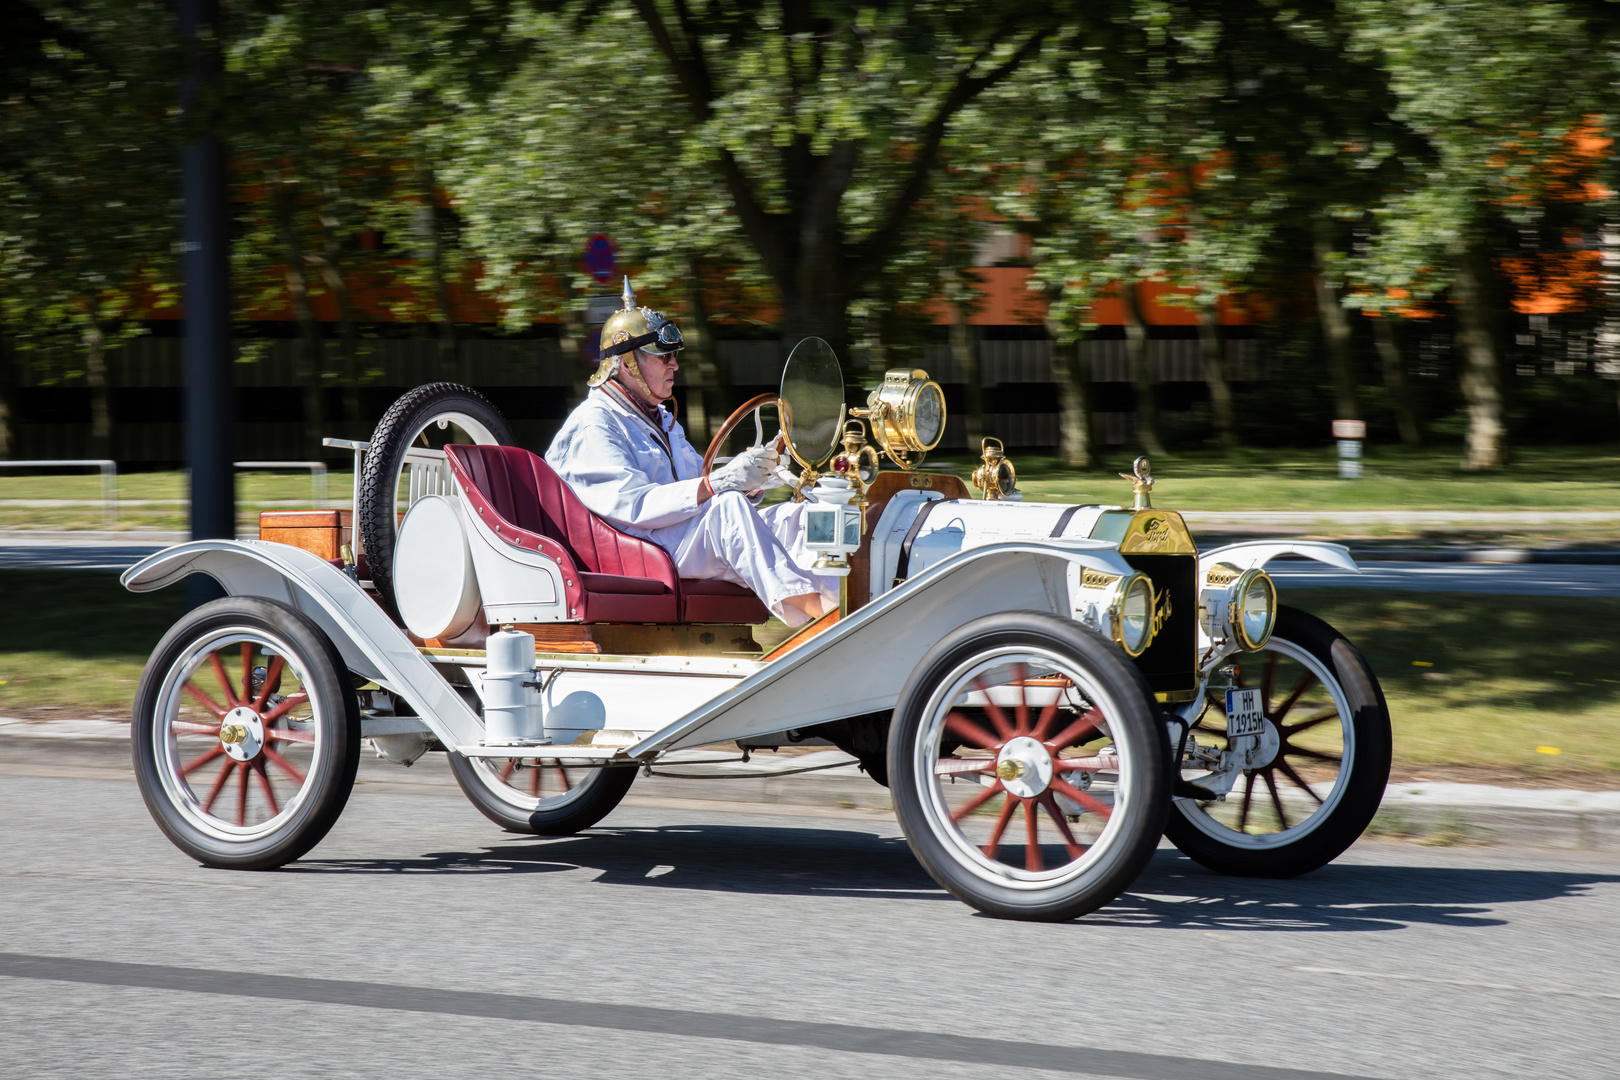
(95, 373)
(571, 339)
(8, 408)
(705, 397)
(337, 284)
(1394, 371)
(1608, 335)
(449, 351)
(1075, 438)
(1335, 333)
(1212, 353)
(1481, 374)
(309, 361)
(1142, 374)
(965, 358)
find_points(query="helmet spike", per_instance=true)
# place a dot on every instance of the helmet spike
(629, 295)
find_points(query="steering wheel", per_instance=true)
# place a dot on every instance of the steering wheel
(752, 405)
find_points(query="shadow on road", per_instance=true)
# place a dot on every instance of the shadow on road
(1176, 893)
(716, 858)
(1173, 893)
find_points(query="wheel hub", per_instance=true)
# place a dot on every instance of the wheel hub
(1024, 767)
(241, 733)
(1262, 748)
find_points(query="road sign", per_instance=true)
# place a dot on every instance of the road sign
(601, 257)
(1349, 429)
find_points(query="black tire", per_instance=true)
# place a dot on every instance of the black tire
(1271, 839)
(1092, 694)
(460, 409)
(183, 691)
(516, 800)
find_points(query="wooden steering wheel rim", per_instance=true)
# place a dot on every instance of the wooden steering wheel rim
(759, 401)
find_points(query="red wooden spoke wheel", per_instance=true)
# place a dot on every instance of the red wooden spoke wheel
(246, 734)
(1313, 779)
(1028, 767)
(541, 796)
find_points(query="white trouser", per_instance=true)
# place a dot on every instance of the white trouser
(762, 549)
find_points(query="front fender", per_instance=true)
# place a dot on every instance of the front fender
(368, 639)
(1256, 553)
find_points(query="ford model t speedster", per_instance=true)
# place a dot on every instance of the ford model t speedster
(1047, 689)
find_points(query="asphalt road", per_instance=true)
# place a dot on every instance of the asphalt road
(1512, 578)
(695, 940)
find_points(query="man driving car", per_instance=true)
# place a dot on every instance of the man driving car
(629, 461)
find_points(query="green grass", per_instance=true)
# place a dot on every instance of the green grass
(76, 640)
(1508, 674)
(1550, 480)
(1544, 479)
(1482, 682)
(255, 491)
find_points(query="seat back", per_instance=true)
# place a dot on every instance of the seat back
(527, 492)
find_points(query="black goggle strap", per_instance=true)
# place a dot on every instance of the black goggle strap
(668, 335)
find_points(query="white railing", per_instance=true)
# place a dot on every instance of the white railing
(109, 478)
(317, 473)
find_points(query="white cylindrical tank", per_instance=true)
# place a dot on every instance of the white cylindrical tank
(512, 711)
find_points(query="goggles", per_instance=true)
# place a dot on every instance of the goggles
(662, 338)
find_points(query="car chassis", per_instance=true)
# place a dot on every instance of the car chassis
(1041, 685)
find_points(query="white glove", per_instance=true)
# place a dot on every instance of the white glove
(750, 471)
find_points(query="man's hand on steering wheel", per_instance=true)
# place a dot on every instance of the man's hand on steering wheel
(751, 471)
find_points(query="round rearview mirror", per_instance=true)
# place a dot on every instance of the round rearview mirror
(812, 402)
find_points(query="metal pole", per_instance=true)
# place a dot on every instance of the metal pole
(205, 241)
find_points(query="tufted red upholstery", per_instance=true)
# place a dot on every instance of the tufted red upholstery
(614, 577)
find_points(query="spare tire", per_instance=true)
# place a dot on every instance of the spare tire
(436, 414)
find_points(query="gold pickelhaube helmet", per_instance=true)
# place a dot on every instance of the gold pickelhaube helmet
(627, 330)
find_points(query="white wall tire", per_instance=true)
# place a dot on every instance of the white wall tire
(246, 734)
(1028, 767)
(1316, 797)
(541, 796)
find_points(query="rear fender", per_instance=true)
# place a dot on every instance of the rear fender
(371, 644)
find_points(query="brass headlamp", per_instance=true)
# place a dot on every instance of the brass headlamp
(907, 414)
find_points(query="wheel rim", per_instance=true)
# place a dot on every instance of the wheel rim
(1307, 779)
(239, 734)
(534, 785)
(1033, 791)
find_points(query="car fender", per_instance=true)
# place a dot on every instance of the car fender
(860, 664)
(1256, 553)
(371, 644)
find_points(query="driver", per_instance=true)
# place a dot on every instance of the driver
(628, 460)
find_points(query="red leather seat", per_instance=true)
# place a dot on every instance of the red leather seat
(611, 576)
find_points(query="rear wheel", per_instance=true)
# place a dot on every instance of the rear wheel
(541, 796)
(1324, 759)
(1028, 767)
(246, 734)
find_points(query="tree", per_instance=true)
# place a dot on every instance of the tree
(1494, 88)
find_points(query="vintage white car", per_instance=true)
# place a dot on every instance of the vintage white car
(1046, 689)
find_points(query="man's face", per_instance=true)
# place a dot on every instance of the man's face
(659, 371)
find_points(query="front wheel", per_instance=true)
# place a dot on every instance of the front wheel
(1322, 764)
(246, 734)
(1029, 769)
(541, 796)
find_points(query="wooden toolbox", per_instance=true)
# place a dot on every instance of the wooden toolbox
(321, 532)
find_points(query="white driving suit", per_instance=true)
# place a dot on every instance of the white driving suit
(608, 453)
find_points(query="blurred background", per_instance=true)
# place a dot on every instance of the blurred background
(1105, 227)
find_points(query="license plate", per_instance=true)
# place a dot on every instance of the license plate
(1244, 715)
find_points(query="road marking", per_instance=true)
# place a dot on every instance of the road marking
(731, 1027)
(1478, 985)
